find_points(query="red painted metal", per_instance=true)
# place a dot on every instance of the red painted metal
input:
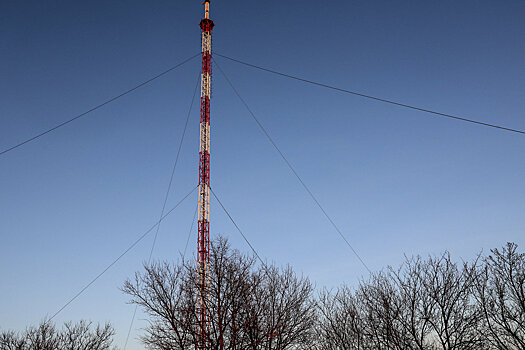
(203, 240)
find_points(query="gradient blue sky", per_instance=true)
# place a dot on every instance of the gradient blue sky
(396, 181)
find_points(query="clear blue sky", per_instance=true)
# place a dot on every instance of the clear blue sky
(396, 181)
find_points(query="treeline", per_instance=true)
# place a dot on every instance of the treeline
(425, 304)
(73, 336)
(433, 303)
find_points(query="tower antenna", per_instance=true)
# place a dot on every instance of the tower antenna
(203, 240)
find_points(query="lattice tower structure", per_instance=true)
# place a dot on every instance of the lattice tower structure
(203, 240)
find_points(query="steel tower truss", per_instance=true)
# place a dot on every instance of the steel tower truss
(203, 241)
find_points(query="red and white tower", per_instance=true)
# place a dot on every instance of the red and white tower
(203, 241)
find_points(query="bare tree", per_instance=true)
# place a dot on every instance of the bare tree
(341, 325)
(78, 336)
(288, 310)
(424, 305)
(448, 303)
(412, 292)
(250, 307)
(161, 292)
(501, 295)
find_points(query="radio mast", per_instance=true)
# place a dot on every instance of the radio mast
(203, 240)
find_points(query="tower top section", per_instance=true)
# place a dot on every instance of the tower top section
(206, 9)
(206, 24)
